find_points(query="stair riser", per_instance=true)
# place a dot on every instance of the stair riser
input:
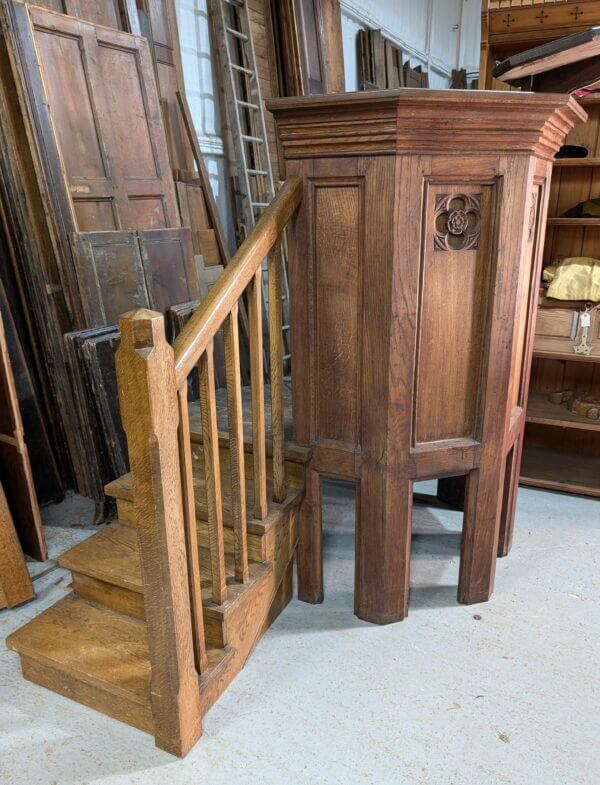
(132, 604)
(69, 686)
(256, 544)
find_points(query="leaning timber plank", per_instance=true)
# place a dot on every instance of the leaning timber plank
(15, 469)
(15, 583)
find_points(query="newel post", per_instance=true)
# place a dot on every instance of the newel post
(148, 397)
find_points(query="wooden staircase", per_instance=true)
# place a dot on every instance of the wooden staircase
(169, 600)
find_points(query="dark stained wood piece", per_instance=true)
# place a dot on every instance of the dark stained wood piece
(168, 262)
(15, 469)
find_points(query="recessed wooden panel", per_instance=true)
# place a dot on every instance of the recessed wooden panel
(93, 213)
(168, 260)
(454, 292)
(110, 274)
(337, 292)
(100, 12)
(72, 110)
(127, 112)
(526, 286)
(147, 213)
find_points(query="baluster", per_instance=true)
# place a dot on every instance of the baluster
(236, 443)
(276, 357)
(191, 533)
(212, 473)
(259, 453)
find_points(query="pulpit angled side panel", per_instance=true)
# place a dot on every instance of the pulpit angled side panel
(454, 295)
(336, 295)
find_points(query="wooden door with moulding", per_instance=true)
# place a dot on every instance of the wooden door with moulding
(308, 40)
(103, 146)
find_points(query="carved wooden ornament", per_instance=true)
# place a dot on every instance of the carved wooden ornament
(457, 222)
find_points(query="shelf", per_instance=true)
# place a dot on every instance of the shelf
(570, 162)
(542, 412)
(572, 357)
(573, 221)
(591, 98)
(560, 471)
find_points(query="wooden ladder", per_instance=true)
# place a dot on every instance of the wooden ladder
(255, 185)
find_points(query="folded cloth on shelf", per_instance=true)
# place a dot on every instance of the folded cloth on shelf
(574, 278)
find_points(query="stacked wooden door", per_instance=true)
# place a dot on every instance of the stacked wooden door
(97, 127)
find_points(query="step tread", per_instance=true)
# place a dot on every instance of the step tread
(122, 489)
(95, 645)
(112, 555)
(101, 647)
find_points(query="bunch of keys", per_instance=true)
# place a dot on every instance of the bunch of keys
(585, 320)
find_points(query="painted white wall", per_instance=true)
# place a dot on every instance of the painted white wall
(201, 92)
(438, 34)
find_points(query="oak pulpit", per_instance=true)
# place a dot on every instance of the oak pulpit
(413, 263)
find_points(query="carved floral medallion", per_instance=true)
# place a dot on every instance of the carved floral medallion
(457, 222)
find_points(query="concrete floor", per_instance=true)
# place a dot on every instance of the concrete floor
(506, 692)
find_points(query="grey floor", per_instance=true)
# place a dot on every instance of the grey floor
(506, 692)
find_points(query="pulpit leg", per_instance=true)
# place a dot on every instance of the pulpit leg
(383, 537)
(310, 542)
(509, 502)
(479, 542)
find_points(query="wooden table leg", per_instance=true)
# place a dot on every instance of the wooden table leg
(509, 501)
(383, 536)
(310, 542)
(481, 524)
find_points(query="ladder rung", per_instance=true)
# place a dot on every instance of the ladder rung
(242, 70)
(286, 357)
(238, 3)
(285, 327)
(260, 204)
(247, 104)
(237, 33)
(255, 139)
(257, 172)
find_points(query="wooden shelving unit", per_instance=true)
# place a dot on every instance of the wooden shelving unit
(560, 471)
(561, 450)
(577, 162)
(573, 221)
(542, 412)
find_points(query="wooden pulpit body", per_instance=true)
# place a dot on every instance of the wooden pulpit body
(413, 264)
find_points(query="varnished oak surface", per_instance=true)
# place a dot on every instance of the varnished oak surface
(113, 556)
(412, 335)
(541, 410)
(95, 647)
(410, 120)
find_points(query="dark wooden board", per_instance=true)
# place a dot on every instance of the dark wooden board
(47, 479)
(98, 353)
(15, 468)
(110, 274)
(168, 261)
(93, 454)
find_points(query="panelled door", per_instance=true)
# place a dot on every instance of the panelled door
(121, 14)
(94, 89)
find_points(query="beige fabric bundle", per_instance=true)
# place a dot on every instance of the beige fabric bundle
(574, 278)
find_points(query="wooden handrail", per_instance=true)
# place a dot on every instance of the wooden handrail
(216, 306)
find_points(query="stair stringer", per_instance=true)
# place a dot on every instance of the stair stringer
(252, 617)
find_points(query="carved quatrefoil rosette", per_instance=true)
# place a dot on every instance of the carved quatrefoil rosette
(457, 222)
